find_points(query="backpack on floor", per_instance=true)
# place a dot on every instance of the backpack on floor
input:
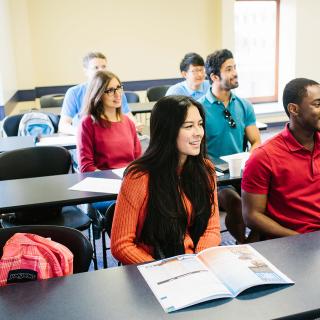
(28, 257)
(35, 124)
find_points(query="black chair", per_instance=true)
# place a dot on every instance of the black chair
(52, 100)
(73, 239)
(132, 97)
(106, 225)
(155, 93)
(10, 124)
(39, 162)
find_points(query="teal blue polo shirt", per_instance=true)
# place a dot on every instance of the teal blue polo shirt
(221, 138)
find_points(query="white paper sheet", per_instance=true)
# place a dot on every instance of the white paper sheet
(242, 155)
(119, 172)
(98, 185)
(219, 174)
(59, 140)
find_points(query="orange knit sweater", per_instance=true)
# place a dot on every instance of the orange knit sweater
(129, 217)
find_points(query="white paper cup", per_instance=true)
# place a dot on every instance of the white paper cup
(235, 166)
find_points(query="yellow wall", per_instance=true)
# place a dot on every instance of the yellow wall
(7, 63)
(307, 39)
(142, 39)
(42, 42)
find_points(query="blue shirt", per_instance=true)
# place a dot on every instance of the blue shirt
(221, 138)
(181, 88)
(73, 102)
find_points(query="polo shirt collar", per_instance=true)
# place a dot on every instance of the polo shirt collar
(212, 99)
(190, 91)
(292, 144)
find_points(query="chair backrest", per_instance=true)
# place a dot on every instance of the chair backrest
(34, 162)
(55, 118)
(35, 124)
(52, 100)
(10, 124)
(132, 96)
(109, 219)
(155, 93)
(73, 239)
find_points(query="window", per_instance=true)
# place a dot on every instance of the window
(256, 49)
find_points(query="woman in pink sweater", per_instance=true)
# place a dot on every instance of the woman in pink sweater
(106, 139)
(167, 204)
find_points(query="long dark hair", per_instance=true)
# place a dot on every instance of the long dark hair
(166, 221)
(93, 104)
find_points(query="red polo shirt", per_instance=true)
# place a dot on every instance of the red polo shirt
(290, 175)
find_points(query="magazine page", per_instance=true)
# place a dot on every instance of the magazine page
(182, 281)
(240, 267)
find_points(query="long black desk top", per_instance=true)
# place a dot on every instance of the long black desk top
(121, 293)
(19, 142)
(50, 190)
(16, 142)
(142, 107)
(53, 190)
(139, 107)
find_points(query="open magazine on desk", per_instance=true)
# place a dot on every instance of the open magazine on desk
(217, 272)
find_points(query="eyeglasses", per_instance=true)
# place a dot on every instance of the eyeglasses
(197, 71)
(228, 117)
(112, 91)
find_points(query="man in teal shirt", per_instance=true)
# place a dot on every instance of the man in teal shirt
(230, 121)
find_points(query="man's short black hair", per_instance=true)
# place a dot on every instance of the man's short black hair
(215, 61)
(295, 91)
(191, 58)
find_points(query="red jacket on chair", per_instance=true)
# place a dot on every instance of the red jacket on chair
(28, 257)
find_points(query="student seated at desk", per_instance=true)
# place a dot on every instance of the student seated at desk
(73, 102)
(194, 85)
(281, 180)
(107, 139)
(167, 204)
(229, 121)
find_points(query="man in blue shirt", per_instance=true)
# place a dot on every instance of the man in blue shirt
(74, 98)
(195, 85)
(230, 121)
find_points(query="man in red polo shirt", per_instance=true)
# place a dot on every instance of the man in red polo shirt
(281, 180)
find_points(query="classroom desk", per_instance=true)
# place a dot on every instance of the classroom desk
(53, 190)
(226, 180)
(19, 142)
(16, 142)
(139, 107)
(143, 107)
(50, 190)
(122, 293)
(146, 107)
(58, 139)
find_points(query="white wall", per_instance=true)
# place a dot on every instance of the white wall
(8, 84)
(142, 39)
(307, 39)
(227, 24)
(23, 45)
(287, 43)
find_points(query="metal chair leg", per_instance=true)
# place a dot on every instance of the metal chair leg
(104, 249)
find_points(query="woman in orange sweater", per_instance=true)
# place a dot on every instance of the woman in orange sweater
(167, 204)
